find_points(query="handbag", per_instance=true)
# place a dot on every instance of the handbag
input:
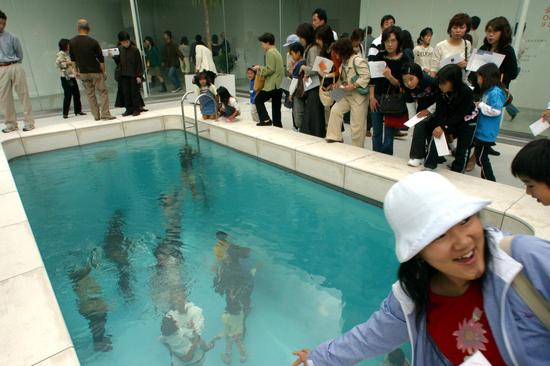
(393, 104)
(259, 82)
(360, 89)
(395, 121)
(324, 94)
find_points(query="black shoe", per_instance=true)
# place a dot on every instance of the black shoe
(80, 114)
(126, 114)
(441, 160)
(136, 113)
(65, 116)
(268, 123)
(493, 152)
(143, 110)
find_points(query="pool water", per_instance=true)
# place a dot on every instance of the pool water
(127, 229)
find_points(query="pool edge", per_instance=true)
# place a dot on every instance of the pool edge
(349, 169)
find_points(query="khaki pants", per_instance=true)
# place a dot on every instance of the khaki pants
(13, 77)
(93, 81)
(358, 120)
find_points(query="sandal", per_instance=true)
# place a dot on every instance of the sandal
(11, 129)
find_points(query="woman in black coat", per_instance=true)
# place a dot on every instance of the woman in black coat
(129, 74)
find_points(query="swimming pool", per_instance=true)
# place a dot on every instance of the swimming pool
(123, 225)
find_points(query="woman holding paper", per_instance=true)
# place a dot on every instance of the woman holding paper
(454, 49)
(453, 298)
(314, 111)
(353, 74)
(389, 84)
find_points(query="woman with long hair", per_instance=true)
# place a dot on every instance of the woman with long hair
(453, 298)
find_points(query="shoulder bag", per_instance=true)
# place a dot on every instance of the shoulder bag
(525, 289)
(259, 82)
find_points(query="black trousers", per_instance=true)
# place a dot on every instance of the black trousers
(130, 94)
(263, 96)
(464, 136)
(70, 89)
(420, 140)
(481, 150)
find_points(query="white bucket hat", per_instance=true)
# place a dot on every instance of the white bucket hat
(422, 207)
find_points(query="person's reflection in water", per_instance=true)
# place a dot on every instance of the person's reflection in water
(116, 247)
(181, 330)
(91, 304)
(234, 281)
(167, 277)
(188, 177)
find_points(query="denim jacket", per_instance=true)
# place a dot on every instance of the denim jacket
(521, 337)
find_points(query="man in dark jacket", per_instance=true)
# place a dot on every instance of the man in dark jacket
(171, 59)
(129, 75)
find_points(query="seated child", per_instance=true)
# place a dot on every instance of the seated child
(204, 82)
(228, 107)
(532, 166)
(490, 111)
(251, 75)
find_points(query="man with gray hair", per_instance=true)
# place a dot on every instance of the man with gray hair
(90, 68)
(12, 76)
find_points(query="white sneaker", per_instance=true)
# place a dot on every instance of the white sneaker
(415, 162)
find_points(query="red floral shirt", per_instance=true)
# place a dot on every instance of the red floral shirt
(460, 328)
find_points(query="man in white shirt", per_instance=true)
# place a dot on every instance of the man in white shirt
(319, 18)
(376, 45)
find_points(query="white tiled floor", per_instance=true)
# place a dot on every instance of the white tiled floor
(501, 164)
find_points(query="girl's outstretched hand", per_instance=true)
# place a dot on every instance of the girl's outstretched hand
(302, 357)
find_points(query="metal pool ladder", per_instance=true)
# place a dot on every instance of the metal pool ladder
(195, 122)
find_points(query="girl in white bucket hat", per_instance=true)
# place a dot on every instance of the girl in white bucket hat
(459, 294)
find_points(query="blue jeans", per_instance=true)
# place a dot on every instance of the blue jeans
(174, 77)
(382, 136)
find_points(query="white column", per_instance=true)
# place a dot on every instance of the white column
(521, 25)
(363, 21)
(139, 44)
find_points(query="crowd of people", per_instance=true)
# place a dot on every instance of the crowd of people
(465, 107)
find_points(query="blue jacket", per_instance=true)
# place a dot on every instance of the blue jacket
(490, 109)
(521, 337)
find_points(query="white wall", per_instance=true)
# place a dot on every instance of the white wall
(39, 25)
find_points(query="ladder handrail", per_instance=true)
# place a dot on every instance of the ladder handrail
(195, 103)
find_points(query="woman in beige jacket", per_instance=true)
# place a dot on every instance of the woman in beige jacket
(354, 75)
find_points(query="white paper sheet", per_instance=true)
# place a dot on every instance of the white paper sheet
(441, 146)
(285, 84)
(322, 64)
(453, 59)
(376, 69)
(539, 127)
(311, 82)
(477, 359)
(414, 121)
(114, 52)
(480, 58)
(337, 94)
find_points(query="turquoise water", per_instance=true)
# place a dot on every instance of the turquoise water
(124, 225)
